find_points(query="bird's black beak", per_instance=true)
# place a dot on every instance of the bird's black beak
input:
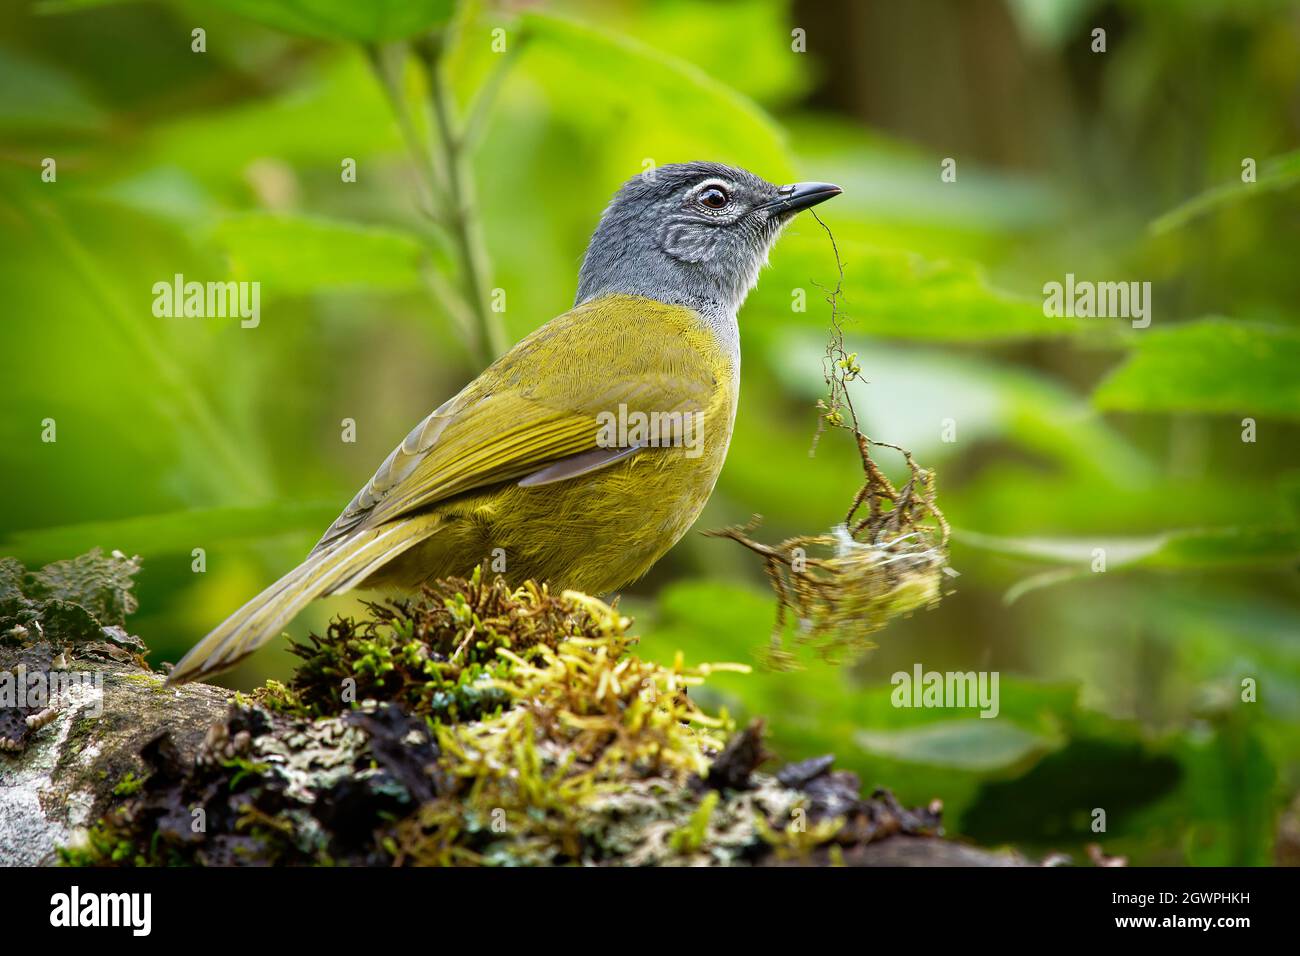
(797, 196)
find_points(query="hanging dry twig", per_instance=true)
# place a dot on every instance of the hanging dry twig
(885, 559)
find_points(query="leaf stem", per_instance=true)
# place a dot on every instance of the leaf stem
(446, 182)
(386, 63)
(459, 210)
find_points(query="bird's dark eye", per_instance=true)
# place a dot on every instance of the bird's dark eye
(715, 197)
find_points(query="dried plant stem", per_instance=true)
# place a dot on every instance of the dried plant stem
(840, 367)
(882, 563)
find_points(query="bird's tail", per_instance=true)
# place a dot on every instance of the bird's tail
(339, 567)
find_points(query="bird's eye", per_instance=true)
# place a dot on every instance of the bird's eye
(714, 197)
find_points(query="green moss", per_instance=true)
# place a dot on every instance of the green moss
(477, 724)
(435, 657)
(690, 838)
(128, 785)
(145, 679)
(103, 844)
(277, 698)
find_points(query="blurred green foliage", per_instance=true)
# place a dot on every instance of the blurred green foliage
(1120, 690)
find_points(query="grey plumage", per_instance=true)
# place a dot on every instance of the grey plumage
(655, 239)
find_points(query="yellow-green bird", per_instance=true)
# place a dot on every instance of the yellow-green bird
(586, 451)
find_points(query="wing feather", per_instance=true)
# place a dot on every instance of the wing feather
(536, 406)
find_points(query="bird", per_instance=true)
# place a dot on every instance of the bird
(585, 452)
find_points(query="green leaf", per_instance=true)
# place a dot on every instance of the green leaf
(1274, 174)
(641, 103)
(362, 20)
(896, 293)
(905, 393)
(765, 72)
(297, 255)
(359, 20)
(67, 231)
(977, 745)
(47, 7)
(1211, 365)
(1181, 550)
(891, 189)
(172, 533)
(50, 100)
(314, 123)
(1105, 764)
(1229, 825)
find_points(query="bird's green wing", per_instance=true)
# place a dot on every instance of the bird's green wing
(538, 405)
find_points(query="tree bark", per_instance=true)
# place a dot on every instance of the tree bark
(64, 776)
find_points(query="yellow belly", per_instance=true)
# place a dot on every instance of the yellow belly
(598, 531)
(594, 533)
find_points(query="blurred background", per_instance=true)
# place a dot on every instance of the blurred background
(1120, 690)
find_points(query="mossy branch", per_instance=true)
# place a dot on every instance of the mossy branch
(475, 724)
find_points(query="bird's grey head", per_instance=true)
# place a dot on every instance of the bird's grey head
(693, 234)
